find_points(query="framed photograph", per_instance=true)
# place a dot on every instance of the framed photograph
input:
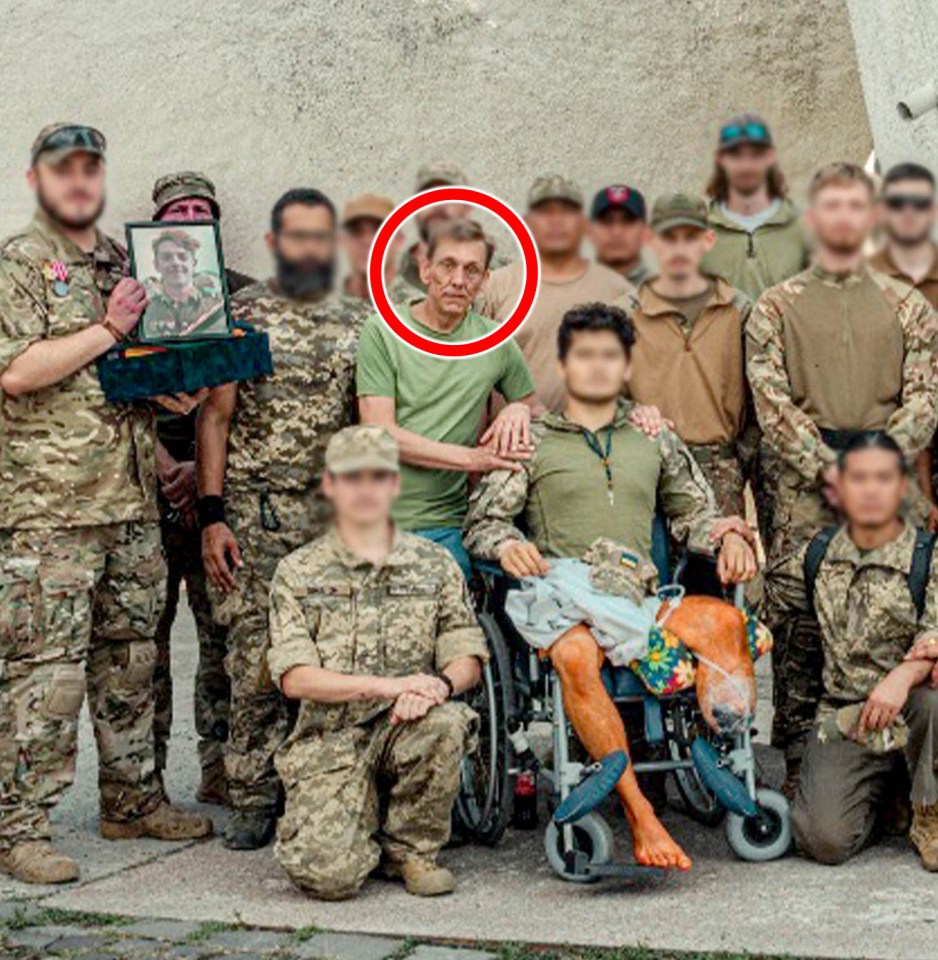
(183, 269)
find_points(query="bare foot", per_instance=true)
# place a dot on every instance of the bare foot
(654, 846)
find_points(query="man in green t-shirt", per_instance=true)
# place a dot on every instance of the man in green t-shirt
(435, 406)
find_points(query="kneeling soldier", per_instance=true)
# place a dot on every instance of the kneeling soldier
(371, 629)
(875, 592)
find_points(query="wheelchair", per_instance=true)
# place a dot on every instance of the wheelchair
(715, 774)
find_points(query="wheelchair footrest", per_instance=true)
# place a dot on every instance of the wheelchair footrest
(591, 792)
(625, 870)
(729, 790)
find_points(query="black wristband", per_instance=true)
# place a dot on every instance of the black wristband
(210, 510)
(449, 683)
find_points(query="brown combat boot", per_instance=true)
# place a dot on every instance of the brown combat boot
(37, 861)
(924, 835)
(166, 822)
(214, 785)
(422, 878)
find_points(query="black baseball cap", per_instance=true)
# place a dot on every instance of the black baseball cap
(618, 197)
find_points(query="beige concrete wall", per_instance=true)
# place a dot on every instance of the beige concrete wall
(352, 95)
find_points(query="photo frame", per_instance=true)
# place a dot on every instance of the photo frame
(182, 267)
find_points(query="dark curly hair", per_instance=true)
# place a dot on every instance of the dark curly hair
(593, 317)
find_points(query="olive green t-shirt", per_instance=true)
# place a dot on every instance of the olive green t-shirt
(441, 398)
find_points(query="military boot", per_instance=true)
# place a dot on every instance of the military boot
(924, 835)
(37, 861)
(166, 822)
(423, 878)
(250, 829)
(214, 785)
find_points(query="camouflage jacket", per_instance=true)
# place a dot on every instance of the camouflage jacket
(866, 613)
(331, 608)
(67, 456)
(887, 376)
(564, 500)
(283, 422)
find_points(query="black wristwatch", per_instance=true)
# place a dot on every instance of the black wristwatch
(210, 509)
(449, 683)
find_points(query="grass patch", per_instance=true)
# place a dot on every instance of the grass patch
(209, 928)
(302, 934)
(49, 916)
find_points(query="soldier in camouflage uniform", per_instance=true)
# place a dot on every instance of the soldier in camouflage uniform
(835, 349)
(81, 574)
(181, 198)
(875, 702)
(372, 631)
(274, 432)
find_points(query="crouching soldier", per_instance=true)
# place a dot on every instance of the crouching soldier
(372, 631)
(875, 592)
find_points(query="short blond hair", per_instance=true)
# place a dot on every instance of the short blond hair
(841, 173)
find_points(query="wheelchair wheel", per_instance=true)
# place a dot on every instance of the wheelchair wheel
(763, 837)
(592, 836)
(699, 802)
(483, 804)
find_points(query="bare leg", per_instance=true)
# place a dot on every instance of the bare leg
(577, 658)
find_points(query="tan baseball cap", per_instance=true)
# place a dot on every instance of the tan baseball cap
(555, 186)
(366, 447)
(56, 141)
(186, 183)
(439, 174)
(679, 210)
(369, 206)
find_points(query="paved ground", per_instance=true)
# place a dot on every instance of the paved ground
(881, 906)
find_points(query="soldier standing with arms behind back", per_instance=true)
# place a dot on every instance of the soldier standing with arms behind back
(183, 198)
(81, 573)
(260, 452)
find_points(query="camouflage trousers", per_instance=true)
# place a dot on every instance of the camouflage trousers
(183, 552)
(78, 612)
(724, 473)
(268, 526)
(355, 793)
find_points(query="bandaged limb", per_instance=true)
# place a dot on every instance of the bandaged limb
(578, 659)
(715, 632)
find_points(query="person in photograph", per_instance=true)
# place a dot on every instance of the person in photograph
(618, 216)
(361, 219)
(182, 302)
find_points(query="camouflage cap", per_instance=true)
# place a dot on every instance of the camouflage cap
(56, 141)
(440, 174)
(176, 186)
(554, 186)
(366, 447)
(369, 206)
(679, 210)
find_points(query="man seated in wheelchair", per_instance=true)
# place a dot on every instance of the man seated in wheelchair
(588, 496)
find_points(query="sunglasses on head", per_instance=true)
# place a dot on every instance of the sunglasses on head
(898, 201)
(753, 131)
(74, 137)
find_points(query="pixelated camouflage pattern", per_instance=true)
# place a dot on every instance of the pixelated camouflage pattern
(203, 310)
(336, 825)
(186, 183)
(866, 612)
(787, 428)
(183, 551)
(362, 447)
(283, 421)
(67, 456)
(78, 612)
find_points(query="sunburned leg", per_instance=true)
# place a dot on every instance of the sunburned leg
(577, 658)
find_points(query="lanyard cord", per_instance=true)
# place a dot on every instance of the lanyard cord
(593, 443)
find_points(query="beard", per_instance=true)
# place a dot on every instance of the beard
(843, 242)
(69, 222)
(304, 279)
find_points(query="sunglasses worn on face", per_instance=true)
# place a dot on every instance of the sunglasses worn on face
(75, 137)
(898, 201)
(754, 131)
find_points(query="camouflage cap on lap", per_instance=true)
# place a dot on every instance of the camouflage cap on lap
(366, 447)
(175, 186)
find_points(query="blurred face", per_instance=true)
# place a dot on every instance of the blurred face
(596, 367)
(174, 263)
(357, 237)
(454, 275)
(364, 498)
(70, 192)
(307, 234)
(747, 167)
(679, 252)
(187, 209)
(842, 217)
(558, 227)
(907, 211)
(617, 237)
(872, 487)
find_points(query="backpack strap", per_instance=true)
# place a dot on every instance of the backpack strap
(813, 558)
(920, 569)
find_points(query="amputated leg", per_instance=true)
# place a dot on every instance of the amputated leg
(578, 659)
